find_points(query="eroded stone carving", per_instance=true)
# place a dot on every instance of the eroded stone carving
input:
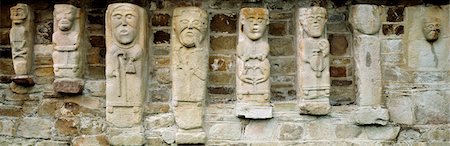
(366, 22)
(189, 72)
(252, 65)
(70, 44)
(21, 37)
(126, 70)
(313, 62)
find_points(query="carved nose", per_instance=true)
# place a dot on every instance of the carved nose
(124, 23)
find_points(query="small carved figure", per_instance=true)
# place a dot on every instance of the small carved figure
(252, 65)
(426, 54)
(21, 37)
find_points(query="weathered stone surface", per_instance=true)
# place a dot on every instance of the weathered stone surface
(126, 68)
(231, 131)
(159, 121)
(315, 107)
(223, 43)
(190, 137)
(96, 87)
(126, 136)
(160, 20)
(90, 140)
(188, 115)
(13, 111)
(224, 23)
(67, 126)
(320, 130)
(348, 131)
(155, 141)
(68, 85)
(365, 18)
(252, 65)
(7, 127)
(431, 107)
(52, 143)
(408, 135)
(31, 127)
(290, 131)
(338, 44)
(281, 47)
(260, 130)
(401, 110)
(168, 134)
(369, 115)
(439, 133)
(381, 132)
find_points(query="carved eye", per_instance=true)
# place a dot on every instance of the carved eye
(260, 20)
(196, 23)
(184, 21)
(129, 16)
(251, 20)
(117, 16)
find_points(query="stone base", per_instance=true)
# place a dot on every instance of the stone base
(124, 116)
(369, 115)
(196, 136)
(66, 85)
(23, 80)
(126, 136)
(253, 111)
(316, 107)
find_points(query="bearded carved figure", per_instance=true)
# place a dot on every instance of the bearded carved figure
(21, 39)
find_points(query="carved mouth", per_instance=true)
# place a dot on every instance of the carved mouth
(123, 32)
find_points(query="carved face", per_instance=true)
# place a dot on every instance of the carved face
(190, 29)
(314, 24)
(124, 22)
(366, 19)
(254, 27)
(65, 17)
(19, 13)
(431, 30)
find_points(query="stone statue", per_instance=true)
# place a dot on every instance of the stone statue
(313, 62)
(252, 65)
(126, 69)
(189, 71)
(22, 40)
(366, 23)
(70, 44)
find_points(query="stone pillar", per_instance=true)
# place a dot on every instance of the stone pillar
(313, 63)
(252, 65)
(189, 70)
(126, 72)
(22, 40)
(70, 46)
(366, 22)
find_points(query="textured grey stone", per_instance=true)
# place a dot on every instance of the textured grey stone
(226, 131)
(31, 127)
(159, 121)
(381, 132)
(290, 131)
(401, 110)
(367, 115)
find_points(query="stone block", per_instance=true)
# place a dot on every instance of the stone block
(126, 136)
(97, 41)
(67, 85)
(224, 23)
(52, 143)
(395, 14)
(282, 66)
(223, 43)
(401, 110)
(260, 130)
(161, 19)
(5, 53)
(124, 116)
(345, 131)
(31, 127)
(67, 126)
(4, 37)
(96, 87)
(290, 131)
(392, 29)
(382, 132)
(395, 73)
(188, 115)
(431, 107)
(225, 131)
(320, 130)
(168, 134)
(161, 37)
(7, 66)
(341, 83)
(221, 63)
(338, 71)
(162, 62)
(315, 107)
(12, 111)
(44, 31)
(338, 44)
(249, 111)
(391, 46)
(221, 78)
(278, 28)
(368, 115)
(156, 108)
(43, 60)
(409, 135)
(281, 47)
(43, 50)
(48, 107)
(190, 137)
(221, 90)
(162, 75)
(90, 140)
(7, 127)
(395, 58)
(438, 133)
(159, 121)
(160, 95)
(282, 92)
(95, 72)
(155, 141)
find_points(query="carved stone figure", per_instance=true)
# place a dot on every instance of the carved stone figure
(252, 65)
(70, 45)
(21, 36)
(126, 69)
(313, 62)
(189, 72)
(366, 22)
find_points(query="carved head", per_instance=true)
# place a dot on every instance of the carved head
(431, 28)
(313, 20)
(65, 16)
(19, 13)
(190, 25)
(254, 22)
(124, 22)
(365, 18)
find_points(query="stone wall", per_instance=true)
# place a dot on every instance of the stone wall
(418, 102)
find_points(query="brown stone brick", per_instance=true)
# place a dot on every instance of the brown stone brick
(66, 126)
(221, 78)
(5, 78)
(282, 66)
(221, 63)
(13, 111)
(44, 71)
(338, 44)
(156, 108)
(395, 14)
(5, 53)
(161, 20)
(162, 62)
(280, 15)
(95, 72)
(95, 56)
(220, 90)
(48, 107)
(162, 75)
(341, 83)
(224, 23)
(6, 66)
(160, 95)
(96, 19)
(68, 86)
(338, 71)
(223, 43)
(5, 20)
(43, 60)
(44, 32)
(161, 37)
(4, 37)
(340, 61)
(281, 47)
(97, 41)
(277, 28)
(392, 29)
(283, 92)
